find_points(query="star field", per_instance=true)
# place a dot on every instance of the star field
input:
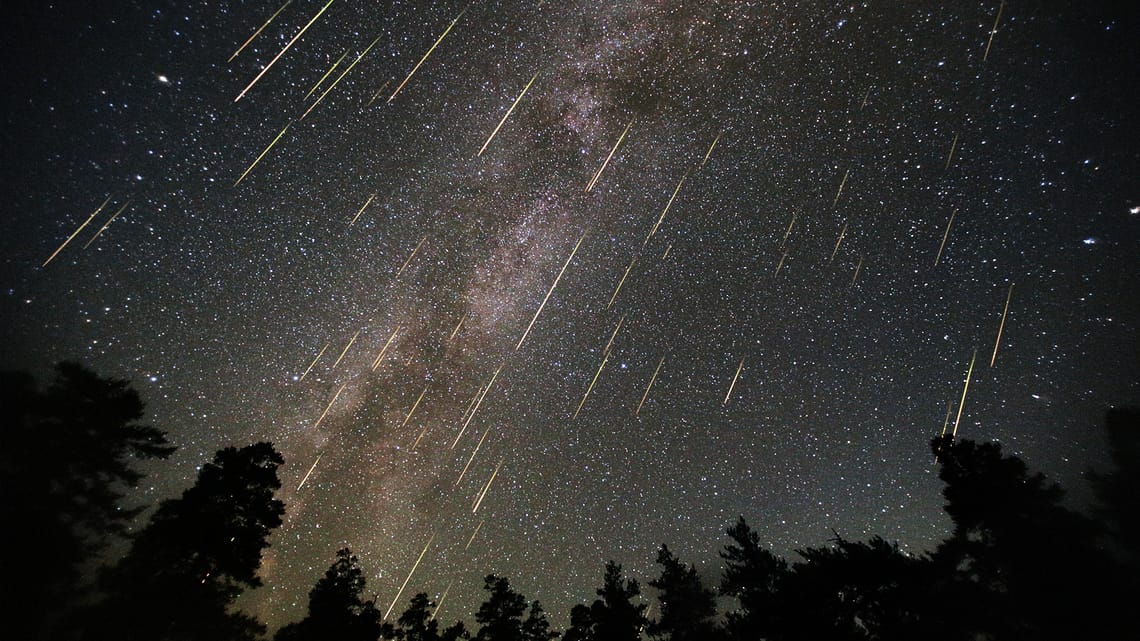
(820, 207)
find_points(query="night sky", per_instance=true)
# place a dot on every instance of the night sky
(777, 216)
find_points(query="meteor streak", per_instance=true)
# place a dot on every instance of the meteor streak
(473, 453)
(362, 208)
(649, 386)
(325, 413)
(1002, 325)
(278, 56)
(709, 152)
(733, 384)
(327, 73)
(477, 527)
(666, 251)
(506, 115)
(457, 326)
(950, 157)
(605, 359)
(606, 351)
(962, 402)
(866, 96)
(310, 367)
(413, 410)
(310, 471)
(262, 28)
(410, 257)
(258, 159)
(376, 363)
(377, 94)
(479, 501)
(475, 409)
(409, 577)
(76, 232)
(841, 184)
(780, 265)
(667, 206)
(993, 31)
(598, 174)
(789, 231)
(340, 77)
(621, 282)
(944, 237)
(836, 250)
(858, 266)
(551, 291)
(345, 350)
(415, 68)
(440, 603)
(106, 224)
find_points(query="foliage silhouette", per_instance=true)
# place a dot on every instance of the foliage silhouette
(336, 608)
(612, 617)
(418, 623)
(67, 457)
(687, 606)
(199, 552)
(501, 615)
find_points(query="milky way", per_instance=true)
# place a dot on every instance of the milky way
(816, 214)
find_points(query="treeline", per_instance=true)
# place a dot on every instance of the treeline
(1017, 565)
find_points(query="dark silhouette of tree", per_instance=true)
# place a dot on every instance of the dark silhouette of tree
(687, 606)
(336, 608)
(199, 552)
(1022, 565)
(753, 576)
(418, 624)
(612, 617)
(67, 457)
(501, 615)
(1119, 491)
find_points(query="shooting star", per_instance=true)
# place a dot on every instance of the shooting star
(328, 73)
(339, 78)
(780, 265)
(858, 266)
(621, 282)
(789, 231)
(413, 410)
(993, 31)
(76, 232)
(410, 257)
(477, 527)
(945, 235)
(457, 326)
(598, 174)
(507, 115)
(605, 359)
(836, 250)
(962, 402)
(666, 210)
(609, 344)
(377, 94)
(106, 224)
(262, 28)
(345, 350)
(649, 386)
(380, 356)
(866, 97)
(711, 147)
(950, 156)
(307, 474)
(262, 155)
(473, 453)
(841, 184)
(486, 488)
(733, 384)
(278, 56)
(421, 558)
(362, 208)
(550, 291)
(415, 68)
(329, 407)
(439, 605)
(1005, 311)
(310, 367)
(475, 408)
(663, 256)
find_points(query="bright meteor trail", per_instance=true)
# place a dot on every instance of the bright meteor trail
(278, 56)
(413, 71)
(506, 115)
(551, 291)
